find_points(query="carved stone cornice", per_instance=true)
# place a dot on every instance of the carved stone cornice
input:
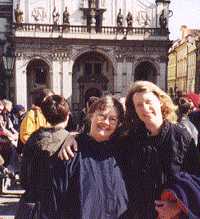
(41, 44)
(60, 56)
(124, 54)
(129, 54)
(146, 58)
(52, 52)
(28, 56)
(162, 59)
(79, 50)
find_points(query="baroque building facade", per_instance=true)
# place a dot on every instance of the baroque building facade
(5, 33)
(88, 48)
(183, 62)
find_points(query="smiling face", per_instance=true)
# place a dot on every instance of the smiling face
(103, 123)
(148, 108)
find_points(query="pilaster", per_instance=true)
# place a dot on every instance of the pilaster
(20, 82)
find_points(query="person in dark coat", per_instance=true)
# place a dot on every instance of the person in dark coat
(157, 150)
(91, 185)
(184, 109)
(154, 150)
(17, 115)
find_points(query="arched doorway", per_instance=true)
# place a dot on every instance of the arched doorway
(145, 71)
(92, 76)
(37, 77)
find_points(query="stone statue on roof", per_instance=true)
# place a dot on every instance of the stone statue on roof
(55, 16)
(66, 17)
(120, 18)
(129, 19)
(18, 15)
(163, 20)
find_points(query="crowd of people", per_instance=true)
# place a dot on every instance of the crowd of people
(10, 119)
(136, 160)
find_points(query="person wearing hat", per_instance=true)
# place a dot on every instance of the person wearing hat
(17, 114)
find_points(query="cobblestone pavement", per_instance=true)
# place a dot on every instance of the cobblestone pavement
(9, 204)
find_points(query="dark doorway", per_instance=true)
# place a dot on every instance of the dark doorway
(37, 77)
(92, 75)
(92, 92)
(145, 71)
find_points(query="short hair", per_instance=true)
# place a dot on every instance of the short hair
(91, 100)
(40, 94)
(195, 98)
(17, 108)
(168, 108)
(184, 107)
(55, 109)
(7, 103)
(102, 103)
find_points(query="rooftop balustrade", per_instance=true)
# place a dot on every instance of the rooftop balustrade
(66, 30)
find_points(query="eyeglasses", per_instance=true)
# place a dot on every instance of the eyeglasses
(113, 120)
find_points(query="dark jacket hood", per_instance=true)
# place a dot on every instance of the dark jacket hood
(49, 139)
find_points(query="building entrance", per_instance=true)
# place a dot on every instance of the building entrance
(92, 76)
(145, 71)
(37, 77)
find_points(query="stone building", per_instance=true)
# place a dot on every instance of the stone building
(172, 69)
(197, 78)
(83, 48)
(5, 33)
(183, 63)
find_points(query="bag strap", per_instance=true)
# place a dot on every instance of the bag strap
(65, 140)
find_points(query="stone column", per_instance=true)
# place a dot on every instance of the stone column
(129, 76)
(161, 78)
(67, 79)
(20, 82)
(118, 78)
(56, 77)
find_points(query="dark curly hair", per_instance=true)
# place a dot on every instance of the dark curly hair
(40, 94)
(102, 104)
(55, 109)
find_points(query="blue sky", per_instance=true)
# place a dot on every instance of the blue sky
(185, 12)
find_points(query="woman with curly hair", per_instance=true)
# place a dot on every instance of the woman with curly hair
(157, 150)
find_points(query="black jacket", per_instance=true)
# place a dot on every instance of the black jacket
(90, 186)
(152, 162)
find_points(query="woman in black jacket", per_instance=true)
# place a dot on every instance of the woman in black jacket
(157, 150)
